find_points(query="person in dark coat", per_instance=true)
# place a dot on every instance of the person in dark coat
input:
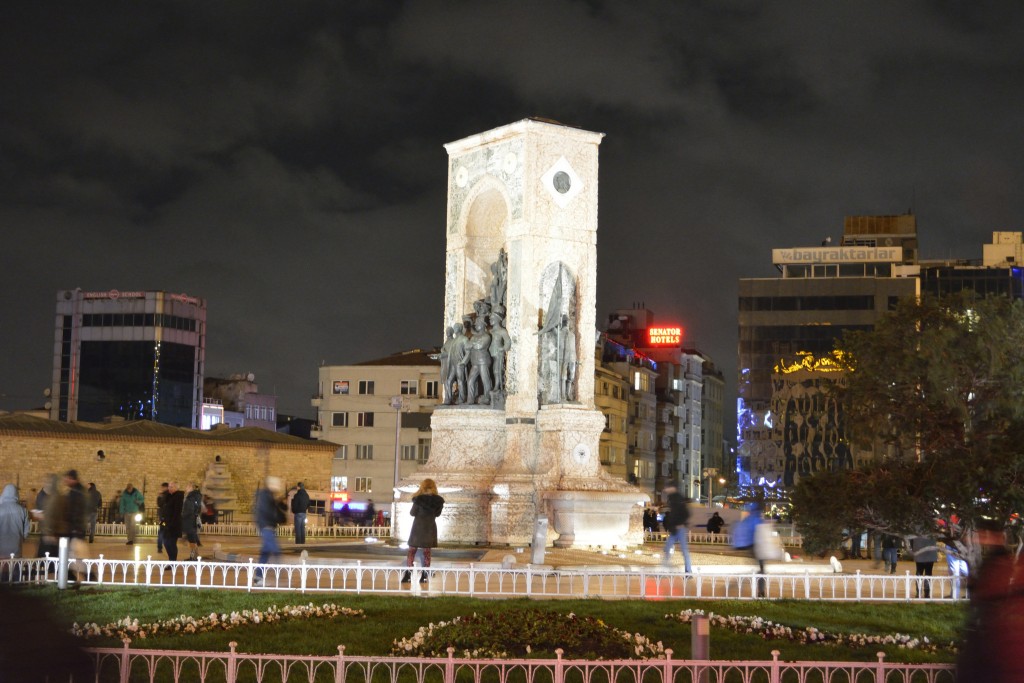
(74, 527)
(171, 514)
(268, 513)
(300, 508)
(715, 523)
(426, 508)
(676, 520)
(191, 508)
(94, 500)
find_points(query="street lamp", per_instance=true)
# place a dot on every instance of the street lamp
(398, 403)
(709, 474)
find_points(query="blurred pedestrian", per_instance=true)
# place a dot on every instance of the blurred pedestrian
(14, 523)
(74, 528)
(161, 523)
(130, 505)
(268, 514)
(890, 551)
(926, 554)
(371, 513)
(171, 513)
(676, 523)
(715, 523)
(300, 506)
(93, 505)
(191, 508)
(50, 515)
(994, 635)
(427, 505)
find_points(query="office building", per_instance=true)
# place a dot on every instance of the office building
(132, 355)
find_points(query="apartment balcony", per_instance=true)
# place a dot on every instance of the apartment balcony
(316, 431)
(316, 400)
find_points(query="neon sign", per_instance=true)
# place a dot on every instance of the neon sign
(664, 336)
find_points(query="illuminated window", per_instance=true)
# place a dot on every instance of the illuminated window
(339, 419)
(366, 386)
(408, 387)
(364, 452)
(364, 485)
(339, 483)
(364, 419)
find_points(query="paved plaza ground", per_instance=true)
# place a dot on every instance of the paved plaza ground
(712, 558)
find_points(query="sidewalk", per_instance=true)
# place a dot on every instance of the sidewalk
(705, 559)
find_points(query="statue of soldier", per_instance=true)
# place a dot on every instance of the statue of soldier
(479, 357)
(446, 364)
(500, 344)
(455, 382)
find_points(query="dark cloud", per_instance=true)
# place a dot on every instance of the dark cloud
(286, 161)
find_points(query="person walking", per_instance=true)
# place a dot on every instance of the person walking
(161, 523)
(74, 527)
(744, 537)
(300, 506)
(14, 523)
(130, 505)
(371, 513)
(94, 503)
(191, 508)
(171, 514)
(426, 508)
(268, 515)
(890, 552)
(675, 523)
(926, 554)
(49, 516)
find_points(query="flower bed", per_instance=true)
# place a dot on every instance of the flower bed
(128, 628)
(769, 630)
(530, 633)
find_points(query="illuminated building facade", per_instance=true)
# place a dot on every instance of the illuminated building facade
(242, 403)
(133, 355)
(679, 411)
(785, 426)
(355, 407)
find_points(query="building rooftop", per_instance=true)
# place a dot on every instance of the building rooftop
(29, 425)
(413, 357)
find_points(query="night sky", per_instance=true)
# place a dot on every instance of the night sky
(284, 160)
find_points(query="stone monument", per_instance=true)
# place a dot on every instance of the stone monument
(520, 301)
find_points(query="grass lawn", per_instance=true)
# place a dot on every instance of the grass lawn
(390, 617)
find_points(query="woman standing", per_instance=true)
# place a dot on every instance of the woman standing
(426, 508)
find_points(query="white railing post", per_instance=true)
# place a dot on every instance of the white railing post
(559, 674)
(302, 579)
(807, 585)
(880, 668)
(667, 673)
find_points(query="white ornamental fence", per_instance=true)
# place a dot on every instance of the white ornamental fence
(484, 579)
(128, 664)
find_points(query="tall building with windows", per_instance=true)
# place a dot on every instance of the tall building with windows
(242, 403)
(134, 355)
(358, 407)
(787, 426)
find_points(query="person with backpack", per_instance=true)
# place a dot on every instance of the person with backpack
(675, 523)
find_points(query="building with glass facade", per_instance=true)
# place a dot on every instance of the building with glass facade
(132, 355)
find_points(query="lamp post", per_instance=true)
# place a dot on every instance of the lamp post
(398, 403)
(710, 473)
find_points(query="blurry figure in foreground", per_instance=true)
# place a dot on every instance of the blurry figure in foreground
(34, 646)
(993, 648)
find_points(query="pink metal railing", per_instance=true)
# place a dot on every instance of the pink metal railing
(129, 664)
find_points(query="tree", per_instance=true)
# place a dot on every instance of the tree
(937, 391)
